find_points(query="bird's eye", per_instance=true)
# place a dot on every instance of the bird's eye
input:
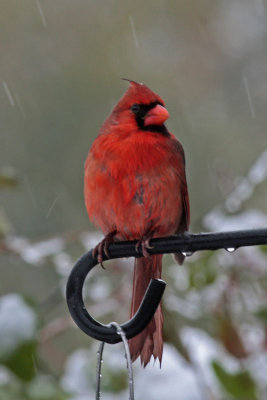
(135, 108)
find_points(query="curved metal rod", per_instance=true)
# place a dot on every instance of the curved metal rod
(186, 243)
(95, 329)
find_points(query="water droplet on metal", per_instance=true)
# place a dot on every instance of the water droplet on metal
(230, 249)
(187, 253)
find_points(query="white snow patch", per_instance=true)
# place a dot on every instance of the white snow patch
(63, 263)
(175, 376)
(90, 239)
(35, 253)
(217, 220)
(17, 323)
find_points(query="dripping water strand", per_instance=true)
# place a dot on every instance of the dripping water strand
(98, 369)
(121, 332)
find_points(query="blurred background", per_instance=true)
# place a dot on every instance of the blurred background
(60, 69)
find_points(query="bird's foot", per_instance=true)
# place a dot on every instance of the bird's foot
(102, 247)
(144, 244)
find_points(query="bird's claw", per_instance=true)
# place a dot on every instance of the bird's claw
(102, 247)
(144, 243)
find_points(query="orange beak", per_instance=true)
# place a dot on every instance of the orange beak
(156, 116)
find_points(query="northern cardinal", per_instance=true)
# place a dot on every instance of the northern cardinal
(135, 188)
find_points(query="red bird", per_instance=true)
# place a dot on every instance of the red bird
(135, 188)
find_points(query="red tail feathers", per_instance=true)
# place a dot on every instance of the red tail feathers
(149, 342)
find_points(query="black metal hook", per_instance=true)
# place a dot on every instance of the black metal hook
(186, 243)
(93, 328)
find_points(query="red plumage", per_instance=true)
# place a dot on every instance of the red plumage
(135, 185)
